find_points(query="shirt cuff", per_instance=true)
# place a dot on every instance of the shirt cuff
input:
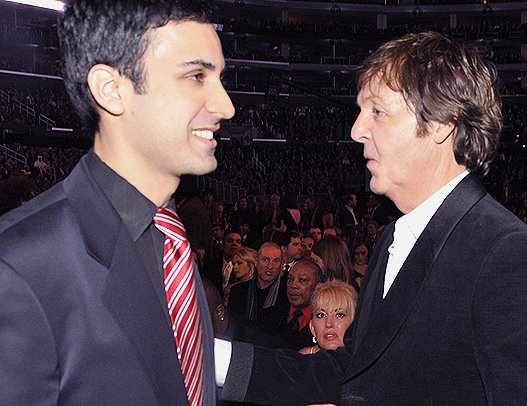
(222, 359)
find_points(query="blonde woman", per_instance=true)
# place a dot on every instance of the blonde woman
(334, 303)
(243, 266)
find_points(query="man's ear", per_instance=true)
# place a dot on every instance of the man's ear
(442, 131)
(104, 82)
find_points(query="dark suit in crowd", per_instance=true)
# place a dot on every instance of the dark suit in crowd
(83, 322)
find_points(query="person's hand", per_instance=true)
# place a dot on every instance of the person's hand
(309, 350)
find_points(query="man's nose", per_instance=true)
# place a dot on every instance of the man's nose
(358, 130)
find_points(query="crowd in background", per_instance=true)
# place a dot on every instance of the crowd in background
(306, 226)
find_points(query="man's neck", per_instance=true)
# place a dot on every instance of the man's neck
(156, 188)
(263, 284)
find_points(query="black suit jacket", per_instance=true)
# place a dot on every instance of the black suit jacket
(451, 330)
(81, 322)
(274, 321)
(238, 296)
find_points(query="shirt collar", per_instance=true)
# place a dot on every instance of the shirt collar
(135, 209)
(307, 313)
(419, 217)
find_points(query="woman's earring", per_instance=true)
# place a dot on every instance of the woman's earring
(314, 339)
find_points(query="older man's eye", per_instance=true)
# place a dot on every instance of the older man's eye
(376, 112)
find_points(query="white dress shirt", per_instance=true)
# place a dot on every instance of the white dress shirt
(410, 226)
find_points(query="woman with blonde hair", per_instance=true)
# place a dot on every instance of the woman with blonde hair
(334, 303)
(243, 266)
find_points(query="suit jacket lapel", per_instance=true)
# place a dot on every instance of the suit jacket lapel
(370, 286)
(380, 326)
(128, 294)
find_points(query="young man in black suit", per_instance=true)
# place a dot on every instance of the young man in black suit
(83, 309)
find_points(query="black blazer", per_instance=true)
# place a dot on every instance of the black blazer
(274, 321)
(451, 330)
(238, 296)
(81, 322)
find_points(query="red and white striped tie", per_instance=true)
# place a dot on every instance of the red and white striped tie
(180, 288)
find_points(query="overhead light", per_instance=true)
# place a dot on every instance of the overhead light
(50, 4)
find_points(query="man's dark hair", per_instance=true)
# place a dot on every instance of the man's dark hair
(444, 81)
(115, 33)
(283, 239)
(295, 234)
(348, 195)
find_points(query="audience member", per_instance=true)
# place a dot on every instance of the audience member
(348, 213)
(291, 320)
(289, 217)
(263, 291)
(289, 243)
(372, 229)
(333, 303)
(219, 271)
(194, 216)
(332, 230)
(333, 257)
(360, 254)
(307, 245)
(316, 233)
(243, 267)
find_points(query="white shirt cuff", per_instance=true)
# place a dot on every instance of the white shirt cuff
(222, 359)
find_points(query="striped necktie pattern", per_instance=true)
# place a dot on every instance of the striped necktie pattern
(180, 288)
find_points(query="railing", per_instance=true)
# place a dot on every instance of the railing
(27, 110)
(224, 191)
(5, 96)
(257, 164)
(23, 108)
(22, 159)
(10, 153)
(48, 122)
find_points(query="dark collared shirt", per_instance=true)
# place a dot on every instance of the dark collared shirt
(137, 213)
(303, 320)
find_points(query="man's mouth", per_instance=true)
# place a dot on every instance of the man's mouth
(207, 134)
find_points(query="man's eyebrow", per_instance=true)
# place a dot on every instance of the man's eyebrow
(369, 98)
(199, 62)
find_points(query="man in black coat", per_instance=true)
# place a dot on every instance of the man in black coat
(291, 320)
(441, 317)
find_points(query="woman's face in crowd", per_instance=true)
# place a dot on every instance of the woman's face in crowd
(241, 268)
(361, 255)
(329, 324)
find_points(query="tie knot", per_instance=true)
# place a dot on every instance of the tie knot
(169, 223)
(297, 314)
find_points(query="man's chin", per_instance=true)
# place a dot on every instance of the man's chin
(209, 165)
